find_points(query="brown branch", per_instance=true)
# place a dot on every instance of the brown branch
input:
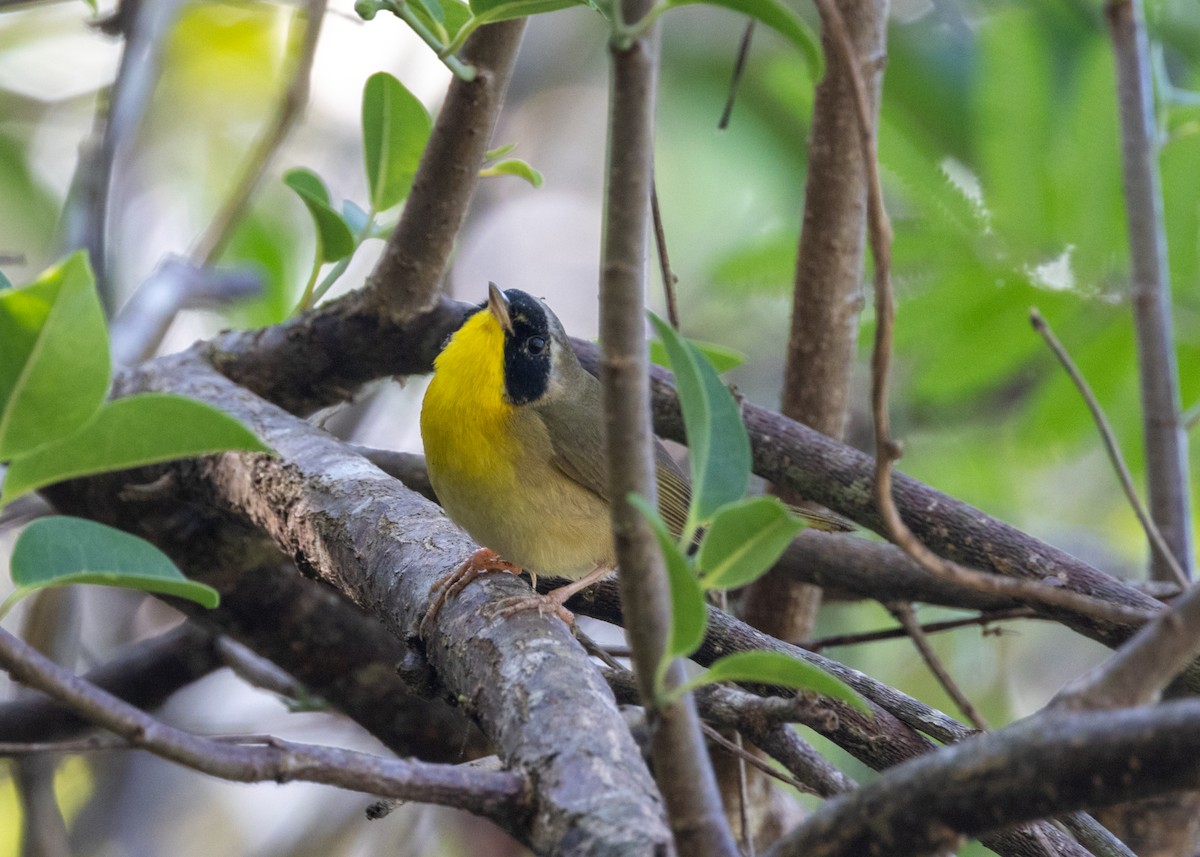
(983, 619)
(144, 676)
(397, 324)
(383, 546)
(681, 765)
(905, 616)
(735, 77)
(408, 276)
(827, 287)
(669, 280)
(760, 718)
(1163, 552)
(880, 740)
(1165, 438)
(1053, 762)
(1138, 671)
(501, 796)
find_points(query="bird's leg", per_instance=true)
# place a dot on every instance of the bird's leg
(447, 587)
(554, 600)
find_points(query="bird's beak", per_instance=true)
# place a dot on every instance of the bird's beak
(498, 306)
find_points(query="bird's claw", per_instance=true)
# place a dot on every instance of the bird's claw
(481, 562)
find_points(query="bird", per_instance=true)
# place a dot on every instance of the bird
(513, 430)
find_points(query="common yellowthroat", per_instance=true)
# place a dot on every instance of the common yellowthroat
(513, 431)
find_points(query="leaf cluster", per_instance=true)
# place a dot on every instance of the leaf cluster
(56, 425)
(729, 540)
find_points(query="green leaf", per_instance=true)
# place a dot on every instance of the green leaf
(54, 361)
(722, 357)
(5, 282)
(334, 240)
(433, 9)
(498, 152)
(779, 17)
(717, 442)
(514, 167)
(778, 669)
(131, 432)
(60, 550)
(453, 15)
(689, 615)
(744, 540)
(396, 128)
(491, 11)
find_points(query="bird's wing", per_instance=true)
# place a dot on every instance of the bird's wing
(576, 435)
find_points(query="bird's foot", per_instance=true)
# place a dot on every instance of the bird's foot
(554, 600)
(447, 587)
(551, 602)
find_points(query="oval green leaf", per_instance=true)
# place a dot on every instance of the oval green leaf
(744, 540)
(779, 669)
(54, 360)
(717, 442)
(689, 615)
(722, 357)
(396, 128)
(132, 432)
(334, 239)
(59, 550)
(779, 17)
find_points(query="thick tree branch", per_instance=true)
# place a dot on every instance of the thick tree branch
(383, 546)
(397, 324)
(144, 677)
(681, 765)
(407, 277)
(336, 650)
(827, 292)
(502, 796)
(1047, 764)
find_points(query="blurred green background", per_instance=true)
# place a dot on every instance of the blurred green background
(1001, 165)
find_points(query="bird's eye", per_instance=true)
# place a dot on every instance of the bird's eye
(535, 345)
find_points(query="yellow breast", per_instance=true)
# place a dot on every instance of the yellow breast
(490, 464)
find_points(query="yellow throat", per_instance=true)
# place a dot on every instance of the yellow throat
(465, 417)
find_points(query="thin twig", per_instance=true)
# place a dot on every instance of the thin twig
(750, 759)
(664, 261)
(983, 619)
(1159, 544)
(209, 246)
(886, 449)
(743, 794)
(1149, 288)
(903, 612)
(735, 81)
(490, 794)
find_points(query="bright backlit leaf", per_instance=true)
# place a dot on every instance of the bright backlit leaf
(396, 128)
(132, 432)
(54, 360)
